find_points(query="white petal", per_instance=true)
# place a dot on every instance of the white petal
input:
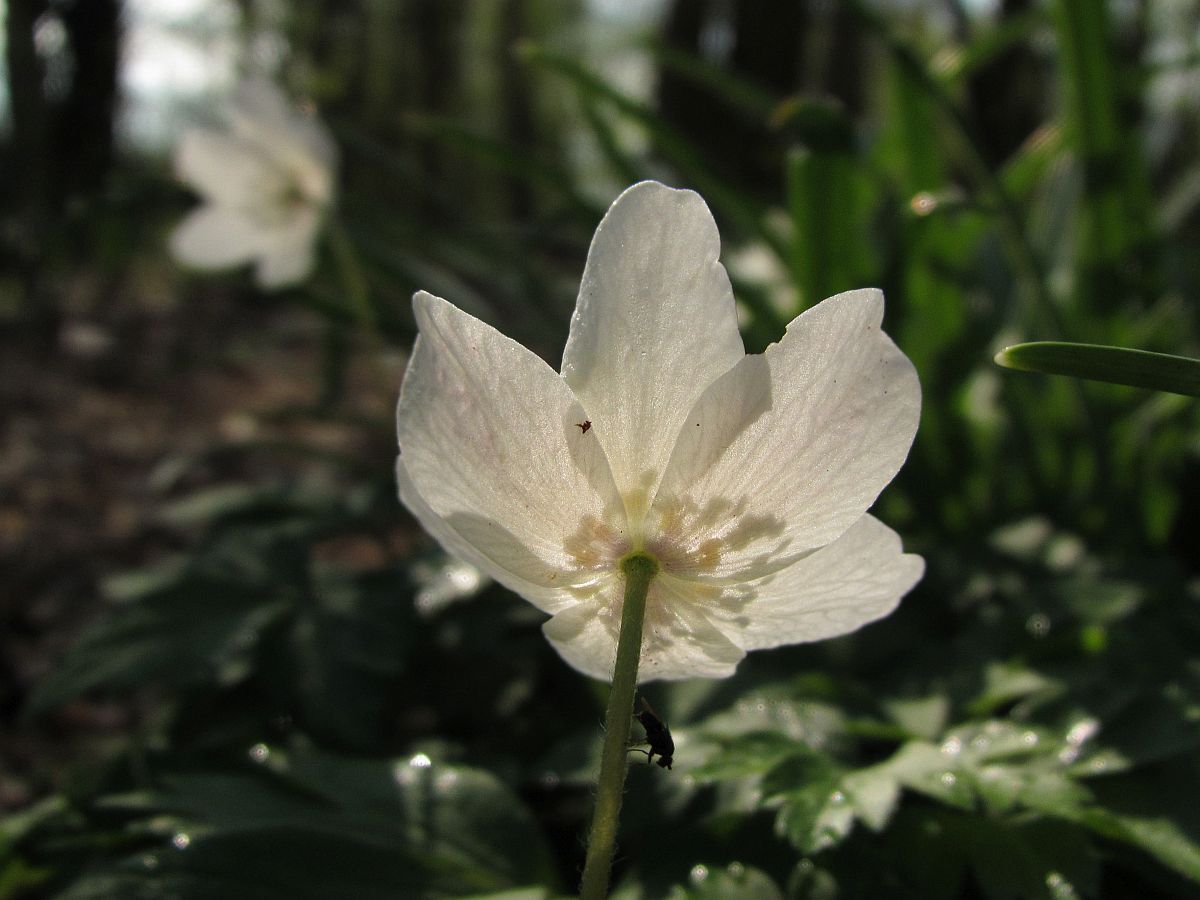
(786, 451)
(226, 168)
(654, 325)
(550, 600)
(216, 237)
(857, 579)
(488, 434)
(288, 256)
(678, 640)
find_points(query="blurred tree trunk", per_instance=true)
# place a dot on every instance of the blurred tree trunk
(516, 96)
(25, 78)
(64, 102)
(799, 45)
(84, 122)
(437, 24)
(63, 133)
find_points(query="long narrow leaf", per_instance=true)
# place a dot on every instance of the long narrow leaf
(1117, 365)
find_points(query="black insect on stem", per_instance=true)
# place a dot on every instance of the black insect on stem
(658, 735)
(584, 426)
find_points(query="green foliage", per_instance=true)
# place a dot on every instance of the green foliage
(1118, 365)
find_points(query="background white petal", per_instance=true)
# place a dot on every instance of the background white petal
(288, 250)
(550, 600)
(488, 435)
(263, 116)
(226, 168)
(285, 265)
(654, 325)
(792, 447)
(216, 237)
(857, 579)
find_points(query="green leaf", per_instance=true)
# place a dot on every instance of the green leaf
(347, 646)
(1116, 365)
(824, 193)
(315, 826)
(816, 813)
(1003, 683)
(920, 716)
(1034, 861)
(196, 631)
(1154, 810)
(735, 880)
(931, 771)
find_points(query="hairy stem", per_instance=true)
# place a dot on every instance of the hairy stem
(639, 569)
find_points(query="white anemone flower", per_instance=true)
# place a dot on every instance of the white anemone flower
(266, 181)
(746, 477)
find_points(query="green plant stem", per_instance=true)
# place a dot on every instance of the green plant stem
(353, 280)
(639, 569)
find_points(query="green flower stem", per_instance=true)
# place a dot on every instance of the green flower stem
(639, 569)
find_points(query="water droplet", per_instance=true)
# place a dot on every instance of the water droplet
(1038, 625)
(1029, 738)
(952, 746)
(260, 753)
(837, 797)
(550, 780)
(1082, 730)
(698, 875)
(949, 779)
(1060, 888)
(181, 841)
(736, 869)
(923, 204)
(420, 761)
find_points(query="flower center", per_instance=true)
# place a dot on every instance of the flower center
(692, 540)
(687, 539)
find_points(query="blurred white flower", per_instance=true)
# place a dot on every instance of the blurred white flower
(746, 477)
(266, 181)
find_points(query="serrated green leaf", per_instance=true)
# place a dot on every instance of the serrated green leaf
(749, 754)
(921, 716)
(1034, 861)
(815, 812)
(874, 793)
(924, 768)
(323, 826)
(197, 631)
(734, 880)
(1003, 683)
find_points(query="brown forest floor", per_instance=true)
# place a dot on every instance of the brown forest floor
(97, 413)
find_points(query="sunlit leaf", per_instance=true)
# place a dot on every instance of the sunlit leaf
(1117, 365)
